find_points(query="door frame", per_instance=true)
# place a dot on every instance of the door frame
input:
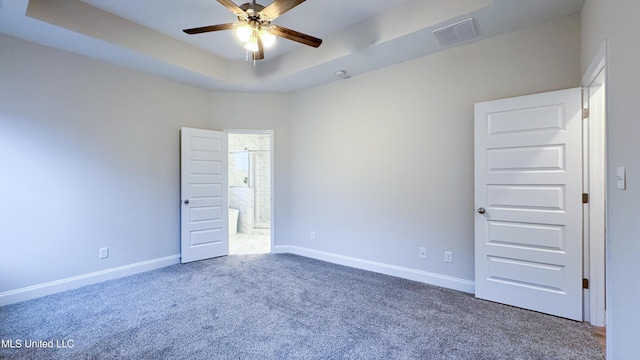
(271, 170)
(596, 184)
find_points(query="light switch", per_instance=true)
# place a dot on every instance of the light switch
(621, 178)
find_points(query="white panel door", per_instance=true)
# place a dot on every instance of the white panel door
(528, 197)
(204, 189)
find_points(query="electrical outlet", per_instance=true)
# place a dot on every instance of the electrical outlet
(104, 252)
(312, 235)
(422, 252)
(448, 256)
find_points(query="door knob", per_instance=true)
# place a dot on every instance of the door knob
(186, 202)
(481, 210)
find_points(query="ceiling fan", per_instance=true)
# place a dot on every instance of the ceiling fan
(254, 26)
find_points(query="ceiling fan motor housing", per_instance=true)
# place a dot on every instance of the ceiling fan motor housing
(252, 11)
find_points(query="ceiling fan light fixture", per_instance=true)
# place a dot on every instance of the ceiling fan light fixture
(254, 29)
(252, 44)
(267, 38)
(243, 32)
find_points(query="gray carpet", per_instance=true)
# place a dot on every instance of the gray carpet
(282, 307)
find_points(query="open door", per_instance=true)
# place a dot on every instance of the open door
(204, 194)
(528, 197)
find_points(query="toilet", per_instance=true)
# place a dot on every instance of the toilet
(233, 221)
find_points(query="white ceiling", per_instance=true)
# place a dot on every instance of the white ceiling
(358, 35)
(314, 17)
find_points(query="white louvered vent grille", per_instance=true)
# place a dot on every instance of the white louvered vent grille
(454, 33)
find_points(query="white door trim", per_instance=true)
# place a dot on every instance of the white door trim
(598, 64)
(272, 170)
(595, 233)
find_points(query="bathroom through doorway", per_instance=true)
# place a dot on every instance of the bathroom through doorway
(250, 189)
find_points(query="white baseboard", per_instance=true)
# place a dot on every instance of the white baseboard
(35, 291)
(387, 269)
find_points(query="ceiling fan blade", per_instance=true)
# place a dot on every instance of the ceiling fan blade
(279, 7)
(296, 36)
(204, 29)
(231, 6)
(258, 55)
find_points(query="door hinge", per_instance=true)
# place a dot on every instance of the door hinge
(585, 114)
(585, 198)
(585, 283)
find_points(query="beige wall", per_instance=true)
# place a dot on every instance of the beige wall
(617, 22)
(382, 163)
(90, 159)
(377, 165)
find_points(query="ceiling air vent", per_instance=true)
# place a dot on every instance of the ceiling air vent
(460, 31)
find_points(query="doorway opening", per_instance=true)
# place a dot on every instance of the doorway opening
(250, 191)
